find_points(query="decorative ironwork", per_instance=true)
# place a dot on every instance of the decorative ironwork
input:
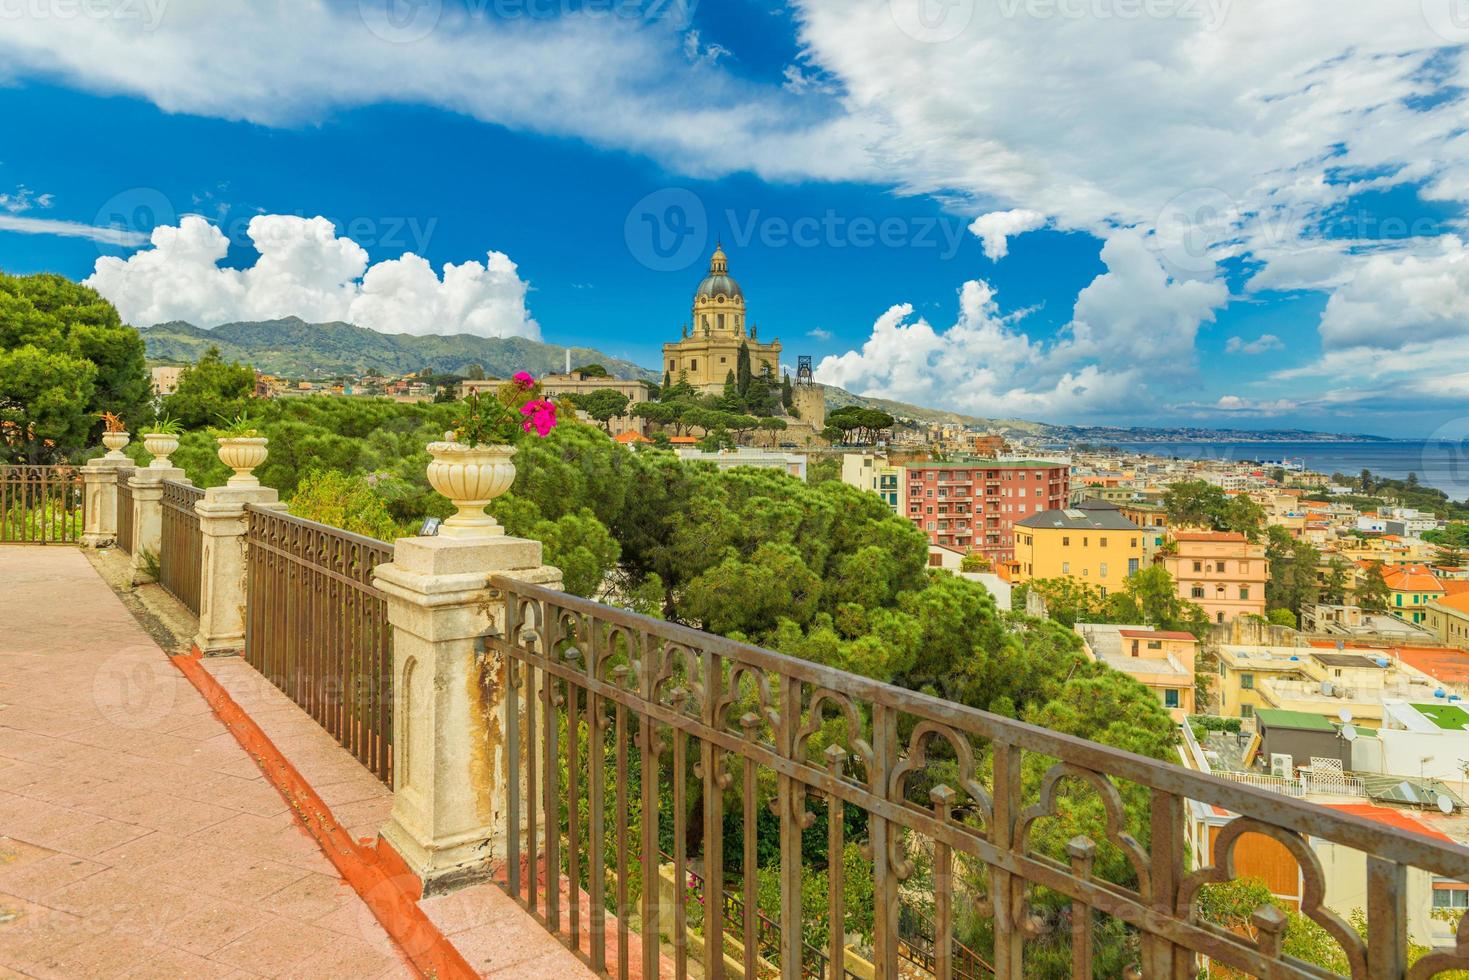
(40, 504)
(124, 510)
(181, 549)
(316, 628)
(743, 720)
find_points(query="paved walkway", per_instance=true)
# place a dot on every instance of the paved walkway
(137, 839)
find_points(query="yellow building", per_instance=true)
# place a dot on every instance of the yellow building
(1410, 590)
(1448, 617)
(869, 471)
(1242, 668)
(1160, 660)
(1091, 542)
(708, 352)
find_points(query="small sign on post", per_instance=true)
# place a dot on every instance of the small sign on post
(430, 527)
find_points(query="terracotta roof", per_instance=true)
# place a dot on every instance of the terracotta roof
(1396, 819)
(684, 441)
(1208, 536)
(1411, 578)
(1440, 663)
(631, 435)
(1158, 635)
(1456, 601)
(1454, 586)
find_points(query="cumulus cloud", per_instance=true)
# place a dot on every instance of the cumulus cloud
(1131, 324)
(305, 269)
(1261, 344)
(23, 199)
(1396, 299)
(998, 227)
(1249, 406)
(819, 333)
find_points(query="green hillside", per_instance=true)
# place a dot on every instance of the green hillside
(294, 348)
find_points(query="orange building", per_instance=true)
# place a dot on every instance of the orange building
(1222, 571)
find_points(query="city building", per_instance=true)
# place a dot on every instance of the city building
(727, 459)
(165, 378)
(708, 351)
(1221, 571)
(1410, 590)
(1091, 542)
(1242, 668)
(1160, 660)
(972, 504)
(1447, 617)
(874, 473)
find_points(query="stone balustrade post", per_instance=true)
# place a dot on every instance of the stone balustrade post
(449, 802)
(147, 487)
(99, 487)
(222, 526)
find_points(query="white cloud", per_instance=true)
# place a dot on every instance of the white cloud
(305, 269)
(1132, 328)
(997, 227)
(1249, 406)
(71, 229)
(819, 333)
(23, 199)
(1261, 344)
(1396, 299)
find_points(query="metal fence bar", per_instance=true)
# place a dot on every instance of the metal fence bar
(40, 504)
(181, 547)
(316, 628)
(967, 841)
(124, 510)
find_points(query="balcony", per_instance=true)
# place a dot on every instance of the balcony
(660, 801)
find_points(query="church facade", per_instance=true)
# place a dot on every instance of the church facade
(709, 348)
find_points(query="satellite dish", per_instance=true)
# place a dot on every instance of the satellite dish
(1445, 805)
(1345, 715)
(1349, 733)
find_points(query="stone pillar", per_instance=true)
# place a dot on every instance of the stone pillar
(449, 801)
(99, 485)
(147, 486)
(222, 523)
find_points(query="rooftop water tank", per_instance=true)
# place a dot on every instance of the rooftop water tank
(1439, 692)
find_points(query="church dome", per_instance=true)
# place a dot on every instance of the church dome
(718, 282)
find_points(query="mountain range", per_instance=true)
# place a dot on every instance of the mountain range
(292, 348)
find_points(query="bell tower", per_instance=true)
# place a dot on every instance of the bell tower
(808, 397)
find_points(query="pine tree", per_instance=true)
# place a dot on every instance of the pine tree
(667, 383)
(743, 373)
(787, 396)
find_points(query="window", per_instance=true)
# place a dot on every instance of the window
(1170, 698)
(694, 364)
(1197, 592)
(1198, 566)
(1103, 570)
(1219, 567)
(1244, 592)
(1247, 711)
(1132, 566)
(1450, 898)
(1065, 542)
(1247, 682)
(1066, 568)
(1103, 543)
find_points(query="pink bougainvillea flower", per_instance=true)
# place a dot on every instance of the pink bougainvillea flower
(540, 415)
(524, 380)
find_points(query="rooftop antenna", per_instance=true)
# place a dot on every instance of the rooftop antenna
(568, 360)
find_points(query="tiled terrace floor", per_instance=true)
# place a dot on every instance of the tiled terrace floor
(137, 839)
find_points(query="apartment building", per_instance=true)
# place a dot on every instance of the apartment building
(874, 473)
(1221, 571)
(1091, 542)
(972, 504)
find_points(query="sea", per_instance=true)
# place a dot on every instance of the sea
(1442, 464)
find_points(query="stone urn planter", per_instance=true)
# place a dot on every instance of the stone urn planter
(160, 445)
(115, 441)
(470, 476)
(242, 454)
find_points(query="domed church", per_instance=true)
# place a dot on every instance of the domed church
(709, 349)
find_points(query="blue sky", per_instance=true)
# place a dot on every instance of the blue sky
(1230, 215)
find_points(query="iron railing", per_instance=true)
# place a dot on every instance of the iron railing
(956, 805)
(124, 510)
(40, 504)
(181, 550)
(316, 628)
